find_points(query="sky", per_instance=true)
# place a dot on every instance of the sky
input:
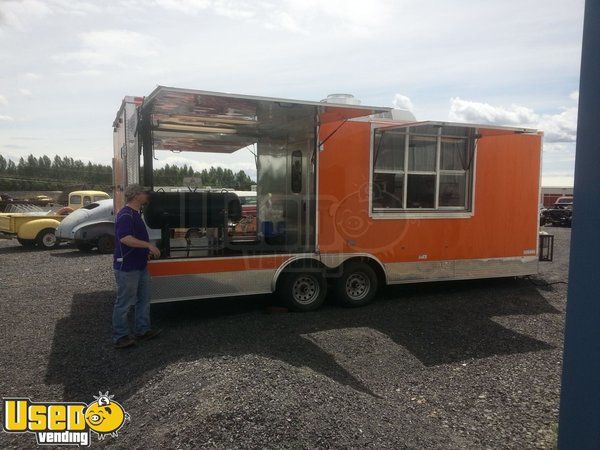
(66, 65)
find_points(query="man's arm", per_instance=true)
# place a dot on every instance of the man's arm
(130, 241)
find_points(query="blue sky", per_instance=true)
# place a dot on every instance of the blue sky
(65, 65)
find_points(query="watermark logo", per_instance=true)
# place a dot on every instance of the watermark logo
(65, 423)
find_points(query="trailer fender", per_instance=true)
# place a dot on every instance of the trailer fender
(31, 229)
(336, 261)
(295, 260)
(87, 232)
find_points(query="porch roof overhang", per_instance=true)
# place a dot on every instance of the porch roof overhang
(204, 121)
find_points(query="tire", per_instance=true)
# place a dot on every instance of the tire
(357, 286)
(28, 243)
(46, 239)
(303, 290)
(106, 244)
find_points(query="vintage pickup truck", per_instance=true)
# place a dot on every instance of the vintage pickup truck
(39, 228)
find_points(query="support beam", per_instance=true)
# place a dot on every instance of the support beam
(579, 426)
(147, 152)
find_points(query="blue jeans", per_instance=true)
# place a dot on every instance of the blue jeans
(133, 289)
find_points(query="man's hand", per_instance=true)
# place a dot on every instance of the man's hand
(154, 251)
(130, 241)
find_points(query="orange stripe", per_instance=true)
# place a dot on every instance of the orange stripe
(189, 267)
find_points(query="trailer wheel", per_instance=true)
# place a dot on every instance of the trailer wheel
(46, 239)
(106, 244)
(303, 290)
(357, 286)
(26, 242)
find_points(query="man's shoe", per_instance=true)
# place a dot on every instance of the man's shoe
(152, 333)
(124, 342)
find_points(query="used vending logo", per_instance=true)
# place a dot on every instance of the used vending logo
(64, 423)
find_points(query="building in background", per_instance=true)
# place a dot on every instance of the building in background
(550, 194)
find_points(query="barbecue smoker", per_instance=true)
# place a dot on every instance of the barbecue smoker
(355, 195)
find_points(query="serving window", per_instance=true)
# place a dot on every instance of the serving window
(423, 168)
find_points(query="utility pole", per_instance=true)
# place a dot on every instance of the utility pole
(579, 424)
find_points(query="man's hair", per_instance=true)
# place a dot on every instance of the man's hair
(132, 190)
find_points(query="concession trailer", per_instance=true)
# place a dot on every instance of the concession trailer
(348, 197)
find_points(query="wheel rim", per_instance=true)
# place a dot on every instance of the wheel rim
(358, 286)
(305, 290)
(49, 240)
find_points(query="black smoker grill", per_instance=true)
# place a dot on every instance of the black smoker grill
(196, 210)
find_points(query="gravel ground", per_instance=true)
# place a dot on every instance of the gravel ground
(472, 364)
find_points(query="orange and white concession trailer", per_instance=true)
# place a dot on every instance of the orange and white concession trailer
(349, 197)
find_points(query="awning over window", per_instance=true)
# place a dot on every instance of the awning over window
(482, 130)
(202, 121)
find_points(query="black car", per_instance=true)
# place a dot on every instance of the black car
(559, 214)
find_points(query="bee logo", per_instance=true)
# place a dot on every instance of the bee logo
(105, 416)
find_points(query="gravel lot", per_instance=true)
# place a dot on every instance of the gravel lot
(471, 364)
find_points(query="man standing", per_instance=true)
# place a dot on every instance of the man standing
(132, 250)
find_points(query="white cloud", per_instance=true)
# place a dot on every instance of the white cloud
(402, 102)
(25, 92)
(574, 96)
(81, 73)
(3, 100)
(111, 48)
(6, 118)
(560, 127)
(14, 14)
(18, 14)
(30, 76)
(469, 111)
(298, 16)
(566, 179)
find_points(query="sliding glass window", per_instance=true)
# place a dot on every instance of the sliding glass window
(422, 168)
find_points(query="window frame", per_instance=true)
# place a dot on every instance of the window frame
(438, 212)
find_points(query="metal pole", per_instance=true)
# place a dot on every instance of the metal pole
(579, 422)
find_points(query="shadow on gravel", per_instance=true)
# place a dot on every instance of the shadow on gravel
(18, 248)
(439, 323)
(75, 254)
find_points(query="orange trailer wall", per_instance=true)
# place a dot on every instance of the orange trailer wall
(505, 216)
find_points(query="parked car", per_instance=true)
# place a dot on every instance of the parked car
(559, 214)
(90, 226)
(38, 228)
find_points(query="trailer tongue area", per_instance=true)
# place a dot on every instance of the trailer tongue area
(282, 134)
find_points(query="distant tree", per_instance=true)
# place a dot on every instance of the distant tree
(66, 173)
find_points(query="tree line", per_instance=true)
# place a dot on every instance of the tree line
(66, 173)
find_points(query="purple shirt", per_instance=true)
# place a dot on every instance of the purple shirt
(129, 223)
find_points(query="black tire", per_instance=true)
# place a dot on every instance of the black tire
(303, 290)
(83, 246)
(106, 244)
(357, 286)
(46, 239)
(28, 243)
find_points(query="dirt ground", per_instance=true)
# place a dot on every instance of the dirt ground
(472, 364)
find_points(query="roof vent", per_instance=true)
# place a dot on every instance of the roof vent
(344, 99)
